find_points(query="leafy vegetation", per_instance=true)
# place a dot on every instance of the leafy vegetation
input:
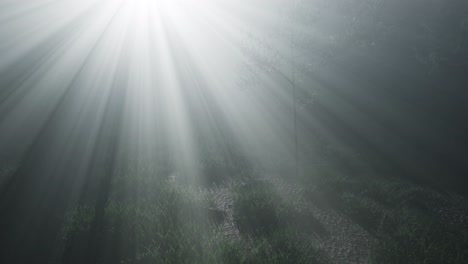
(174, 225)
(171, 223)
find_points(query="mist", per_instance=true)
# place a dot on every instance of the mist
(222, 131)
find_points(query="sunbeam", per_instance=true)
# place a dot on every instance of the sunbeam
(227, 131)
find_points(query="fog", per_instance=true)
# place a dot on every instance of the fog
(206, 93)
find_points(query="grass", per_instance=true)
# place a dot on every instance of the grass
(260, 211)
(150, 219)
(401, 215)
(162, 225)
(257, 210)
(413, 236)
(177, 224)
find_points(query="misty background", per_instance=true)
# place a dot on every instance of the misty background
(196, 90)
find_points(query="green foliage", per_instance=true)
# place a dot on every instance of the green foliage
(285, 246)
(257, 210)
(363, 210)
(412, 236)
(401, 215)
(280, 247)
(78, 220)
(152, 220)
(174, 225)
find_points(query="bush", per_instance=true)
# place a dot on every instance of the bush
(412, 236)
(257, 210)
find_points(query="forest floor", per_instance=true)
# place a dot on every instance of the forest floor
(347, 227)
(323, 219)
